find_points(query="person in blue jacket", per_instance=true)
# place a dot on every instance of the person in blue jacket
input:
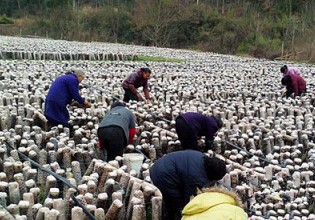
(179, 174)
(192, 125)
(63, 90)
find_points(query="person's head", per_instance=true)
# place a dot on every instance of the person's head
(218, 121)
(115, 104)
(284, 69)
(79, 73)
(286, 80)
(146, 73)
(214, 167)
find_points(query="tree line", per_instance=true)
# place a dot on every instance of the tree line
(260, 28)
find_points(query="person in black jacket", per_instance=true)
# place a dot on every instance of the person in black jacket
(179, 174)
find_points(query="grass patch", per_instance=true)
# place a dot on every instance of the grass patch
(157, 59)
(42, 195)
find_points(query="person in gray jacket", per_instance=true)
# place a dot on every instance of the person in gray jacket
(116, 130)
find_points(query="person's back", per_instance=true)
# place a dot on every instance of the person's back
(64, 89)
(179, 174)
(192, 125)
(116, 130)
(121, 117)
(202, 124)
(293, 70)
(135, 78)
(214, 203)
(180, 168)
(298, 84)
(290, 70)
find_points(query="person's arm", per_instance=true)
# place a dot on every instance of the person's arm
(146, 91)
(212, 129)
(288, 92)
(132, 132)
(87, 104)
(297, 71)
(295, 87)
(132, 79)
(132, 127)
(100, 145)
(209, 143)
(73, 87)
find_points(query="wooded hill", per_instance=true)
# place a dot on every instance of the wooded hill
(274, 29)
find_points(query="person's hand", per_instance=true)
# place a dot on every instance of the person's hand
(139, 97)
(148, 101)
(99, 144)
(87, 104)
(283, 92)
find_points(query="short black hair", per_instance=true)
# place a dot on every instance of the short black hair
(115, 104)
(146, 70)
(214, 167)
(286, 80)
(283, 69)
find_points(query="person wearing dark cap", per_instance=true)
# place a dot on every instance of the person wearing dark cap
(135, 80)
(116, 130)
(179, 174)
(192, 125)
(290, 70)
(63, 90)
(215, 202)
(294, 84)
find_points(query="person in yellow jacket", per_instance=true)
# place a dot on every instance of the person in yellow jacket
(214, 202)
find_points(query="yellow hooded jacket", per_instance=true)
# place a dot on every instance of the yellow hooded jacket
(215, 203)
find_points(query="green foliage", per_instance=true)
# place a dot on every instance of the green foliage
(224, 36)
(260, 46)
(245, 47)
(37, 27)
(42, 194)
(6, 20)
(66, 27)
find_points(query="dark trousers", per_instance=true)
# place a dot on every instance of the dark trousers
(290, 91)
(129, 95)
(173, 200)
(186, 134)
(113, 141)
(52, 123)
(172, 208)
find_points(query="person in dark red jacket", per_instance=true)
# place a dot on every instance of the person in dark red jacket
(192, 125)
(178, 175)
(116, 130)
(63, 90)
(295, 84)
(135, 80)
